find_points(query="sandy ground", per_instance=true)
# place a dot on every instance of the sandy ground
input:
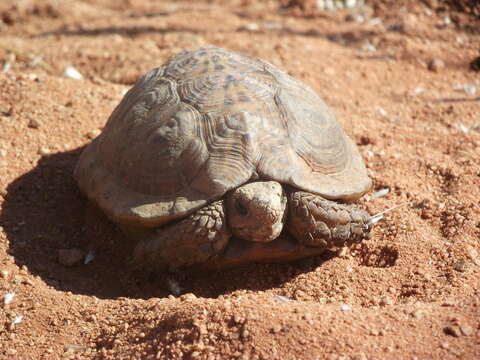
(400, 80)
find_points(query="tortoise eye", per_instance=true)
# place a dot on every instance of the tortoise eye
(171, 123)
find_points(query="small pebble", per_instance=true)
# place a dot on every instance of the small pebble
(70, 257)
(276, 329)
(460, 266)
(11, 352)
(75, 348)
(385, 300)
(468, 88)
(380, 193)
(345, 307)
(93, 134)
(252, 27)
(188, 296)
(418, 90)
(466, 330)
(43, 151)
(6, 67)
(452, 331)
(72, 73)
(463, 128)
(8, 298)
(382, 111)
(34, 124)
(436, 65)
(418, 314)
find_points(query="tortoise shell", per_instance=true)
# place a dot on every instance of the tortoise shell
(206, 122)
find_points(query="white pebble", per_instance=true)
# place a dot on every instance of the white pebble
(94, 133)
(8, 298)
(35, 61)
(72, 73)
(418, 90)
(375, 21)
(6, 67)
(382, 111)
(345, 307)
(18, 319)
(252, 27)
(43, 151)
(369, 47)
(380, 193)
(329, 5)
(350, 3)
(463, 128)
(470, 89)
(320, 4)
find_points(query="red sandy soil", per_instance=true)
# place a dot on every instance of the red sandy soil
(395, 80)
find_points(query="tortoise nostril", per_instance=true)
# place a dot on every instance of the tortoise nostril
(242, 209)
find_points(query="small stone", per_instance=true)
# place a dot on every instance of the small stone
(8, 298)
(418, 314)
(70, 257)
(452, 331)
(11, 352)
(252, 27)
(466, 330)
(436, 65)
(72, 73)
(93, 134)
(195, 354)
(34, 124)
(385, 300)
(445, 346)
(43, 151)
(460, 266)
(188, 296)
(276, 329)
(380, 193)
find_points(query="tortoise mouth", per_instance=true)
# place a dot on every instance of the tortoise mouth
(259, 233)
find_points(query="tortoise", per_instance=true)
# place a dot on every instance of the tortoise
(217, 159)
